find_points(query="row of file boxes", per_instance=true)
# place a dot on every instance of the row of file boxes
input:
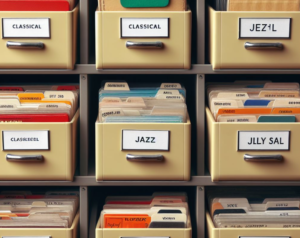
(55, 46)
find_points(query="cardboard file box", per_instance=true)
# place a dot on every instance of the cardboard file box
(254, 40)
(118, 157)
(51, 44)
(253, 151)
(119, 44)
(249, 232)
(50, 154)
(42, 232)
(139, 232)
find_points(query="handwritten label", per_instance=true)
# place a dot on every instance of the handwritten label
(145, 27)
(145, 140)
(25, 140)
(26, 27)
(265, 28)
(264, 140)
(170, 85)
(118, 86)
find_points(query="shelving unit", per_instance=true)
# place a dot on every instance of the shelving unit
(87, 74)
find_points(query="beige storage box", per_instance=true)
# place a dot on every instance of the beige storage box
(240, 40)
(139, 232)
(122, 43)
(119, 157)
(52, 45)
(249, 232)
(253, 151)
(50, 154)
(42, 232)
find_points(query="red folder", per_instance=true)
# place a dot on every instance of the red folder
(61, 117)
(34, 5)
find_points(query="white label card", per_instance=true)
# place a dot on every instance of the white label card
(265, 28)
(25, 140)
(145, 140)
(25, 28)
(116, 86)
(264, 140)
(145, 27)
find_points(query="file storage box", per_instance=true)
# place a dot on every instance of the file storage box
(249, 232)
(119, 157)
(140, 232)
(38, 151)
(42, 232)
(254, 39)
(119, 44)
(253, 151)
(51, 44)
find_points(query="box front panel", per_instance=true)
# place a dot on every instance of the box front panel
(147, 233)
(171, 28)
(237, 28)
(264, 144)
(56, 35)
(56, 163)
(116, 165)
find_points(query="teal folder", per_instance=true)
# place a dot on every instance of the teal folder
(144, 3)
(278, 119)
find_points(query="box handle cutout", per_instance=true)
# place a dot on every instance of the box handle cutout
(263, 158)
(144, 45)
(144, 158)
(24, 158)
(24, 45)
(263, 46)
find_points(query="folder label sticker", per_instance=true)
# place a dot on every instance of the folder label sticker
(264, 140)
(278, 28)
(145, 140)
(145, 27)
(26, 140)
(25, 27)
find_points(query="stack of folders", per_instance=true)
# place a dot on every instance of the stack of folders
(37, 5)
(256, 213)
(38, 103)
(26, 210)
(163, 104)
(257, 5)
(250, 102)
(157, 211)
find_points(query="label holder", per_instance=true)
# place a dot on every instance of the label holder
(124, 37)
(238, 141)
(122, 146)
(240, 29)
(23, 37)
(48, 144)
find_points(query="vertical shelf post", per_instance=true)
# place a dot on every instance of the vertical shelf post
(200, 31)
(200, 118)
(200, 211)
(84, 212)
(84, 124)
(84, 31)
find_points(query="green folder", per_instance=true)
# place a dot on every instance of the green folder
(278, 119)
(144, 3)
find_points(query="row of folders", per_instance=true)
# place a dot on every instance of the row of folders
(151, 34)
(143, 132)
(239, 213)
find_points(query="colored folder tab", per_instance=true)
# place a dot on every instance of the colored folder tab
(34, 5)
(144, 3)
(276, 119)
(253, 102)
